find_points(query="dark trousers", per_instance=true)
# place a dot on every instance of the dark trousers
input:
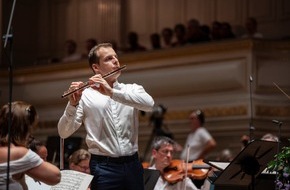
(122, 173)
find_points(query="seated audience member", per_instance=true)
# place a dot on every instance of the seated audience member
(215, 30)
(134, 45)
(90, 43)
(22, 160)
(251, 26)
(71, 54)
(194, 32)
(162, 151)
(155, 41)
(180, 35)
(226, 31)
(167, 36)
(80, 160)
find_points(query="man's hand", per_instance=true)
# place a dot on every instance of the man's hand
(100, 84)
(76, 96)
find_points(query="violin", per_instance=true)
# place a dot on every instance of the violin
(179, 170)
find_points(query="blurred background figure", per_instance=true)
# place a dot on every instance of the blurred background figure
(71, 54)
(133, 42)
(226, 31)
(251, 26)
(167, 36)
(180, 35)
(199, 141)
(215, 30)
(270, 137)
(194, 32)
(155, 41)
(225, 155)
(38, 147)
(80, 161)
(90, 43)
(245, 139)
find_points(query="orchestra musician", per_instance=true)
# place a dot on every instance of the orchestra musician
(109, 112)
(199, 140)
(162, 152)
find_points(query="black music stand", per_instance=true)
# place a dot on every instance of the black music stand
(248, 164)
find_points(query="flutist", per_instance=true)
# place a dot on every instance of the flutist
(109, 112)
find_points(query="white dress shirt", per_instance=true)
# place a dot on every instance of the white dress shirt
(111, 122)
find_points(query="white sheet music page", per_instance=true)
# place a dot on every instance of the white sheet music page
(73, 180)
(218, 165)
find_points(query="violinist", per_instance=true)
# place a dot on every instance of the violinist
(109, 112)
(162, 153)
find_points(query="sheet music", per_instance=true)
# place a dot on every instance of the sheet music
(70, 180)
(218, 165)
(73, 180)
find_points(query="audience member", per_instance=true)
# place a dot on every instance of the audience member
(21, 119)
(162, 151)
(90, 43)
(194, 32)
(199, 142)
(133, 41)
(180, 35)
(206, 31)
(251, 26)
(155, 41)
(215, 30)
(80, 161)
(226, 31)
(71, 52)
(167, 36)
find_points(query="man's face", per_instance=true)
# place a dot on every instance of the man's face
(108, 61)
(163, 156)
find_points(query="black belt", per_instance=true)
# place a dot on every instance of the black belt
(121, 159)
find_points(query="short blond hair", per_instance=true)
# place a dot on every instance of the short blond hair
(79, 155)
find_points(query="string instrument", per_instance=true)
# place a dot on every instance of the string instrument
(179, 170)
